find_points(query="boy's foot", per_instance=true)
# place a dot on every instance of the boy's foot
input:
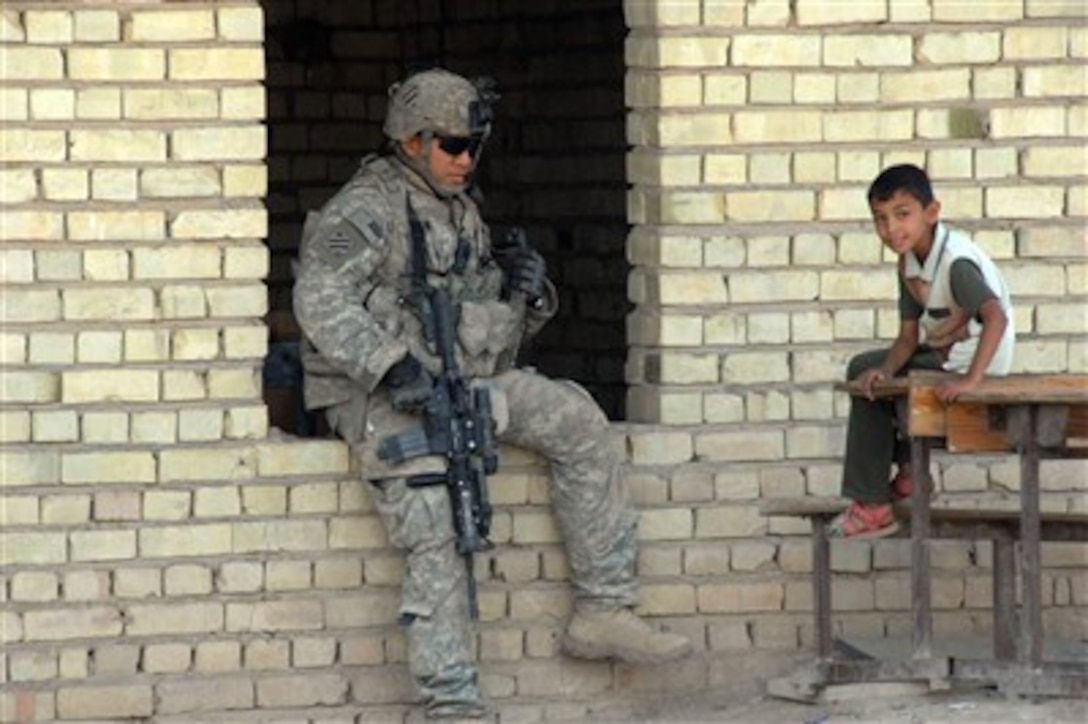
(903, 486)
(863, 520)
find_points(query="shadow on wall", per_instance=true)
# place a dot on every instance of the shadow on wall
(554, 165)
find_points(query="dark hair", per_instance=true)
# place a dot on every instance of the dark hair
(905, 177)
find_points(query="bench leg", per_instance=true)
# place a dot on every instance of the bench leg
(920, 584)
(1022, 424)
(821, 587)
(1004, 600)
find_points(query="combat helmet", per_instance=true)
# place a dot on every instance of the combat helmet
(440, 102)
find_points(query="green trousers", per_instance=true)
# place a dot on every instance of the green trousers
(873, 441)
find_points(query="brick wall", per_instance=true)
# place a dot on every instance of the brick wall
(165, 556)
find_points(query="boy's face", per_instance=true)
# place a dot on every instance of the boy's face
(903, 224)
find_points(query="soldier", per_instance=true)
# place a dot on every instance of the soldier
(370, 369)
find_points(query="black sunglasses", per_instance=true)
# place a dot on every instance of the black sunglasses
(456, 145)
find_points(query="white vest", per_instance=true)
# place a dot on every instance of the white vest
(948, 246)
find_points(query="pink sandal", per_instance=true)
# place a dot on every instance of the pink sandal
(861, 521)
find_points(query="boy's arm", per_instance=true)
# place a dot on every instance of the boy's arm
(979, 301)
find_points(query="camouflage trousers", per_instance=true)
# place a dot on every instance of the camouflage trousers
(561, 422)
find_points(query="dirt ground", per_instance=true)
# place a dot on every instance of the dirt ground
(976, 706)
(744, 700)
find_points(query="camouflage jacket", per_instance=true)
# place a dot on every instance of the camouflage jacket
(351, 294)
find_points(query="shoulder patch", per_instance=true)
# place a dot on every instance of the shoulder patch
(339, 243)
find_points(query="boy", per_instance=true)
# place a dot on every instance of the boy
(951, 291)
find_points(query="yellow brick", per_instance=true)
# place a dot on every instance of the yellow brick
(834, 12)
(48, 27)
(123, 145)
(184, 261)
(14, 104)
(147, 345)
(181, 181)
(1055, 161)
(181, 618)
(110, 385)
(774, 50)
(97, 26)
(105, 265)
(98, 347)
(34, 586)
(234, 384)
(725, 90)
(954, 48)
(31, 63)
(116, 64)
(167, 658)
(152, 104)
(98, 104)
(302, 458)
(166, 505)
(55, 426)
(1033, 42)
(211, 463)
(771, 87)
(778, 126)
(32, 225)
(245, 422)
(1055, 81)
(770, 206)
(73, 623)
(187, 580)
(29, 387)
(52, 104)
(1025, 201)
(216, 64)
(247, 103)
(956, 11)
(921, 86)
(245, 262)
(60, 184)
(217, 502)
(58, 265)
(852, 126)
(691, 207)
(51, 348)
(235, 223)
(691, 288)
(688, 129)
(109, 304)
(193, 539)
(154, 26)
(755, 367)
(183, 385)
(114, 184)
(16, 266)
(850, 51)
(241, 23)
(18, 510)
(195, 344)
(108, 467)
(769, 13)
(200, 424)
(32, 548)
(242, 180)
(103, 545)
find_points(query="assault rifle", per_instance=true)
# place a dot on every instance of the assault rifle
(457, 424)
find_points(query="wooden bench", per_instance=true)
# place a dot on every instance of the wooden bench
(1035, 416)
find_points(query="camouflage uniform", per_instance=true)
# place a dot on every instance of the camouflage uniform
(350, 300)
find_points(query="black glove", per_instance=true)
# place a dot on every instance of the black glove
(525, 269)
(410, 384)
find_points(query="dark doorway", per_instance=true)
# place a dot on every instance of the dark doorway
(554, 165)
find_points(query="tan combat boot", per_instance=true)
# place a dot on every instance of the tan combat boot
(617, 633)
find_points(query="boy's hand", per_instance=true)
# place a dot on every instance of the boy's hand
(870, 377)
(948, 391)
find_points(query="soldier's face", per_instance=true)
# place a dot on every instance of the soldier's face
(450, 159)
